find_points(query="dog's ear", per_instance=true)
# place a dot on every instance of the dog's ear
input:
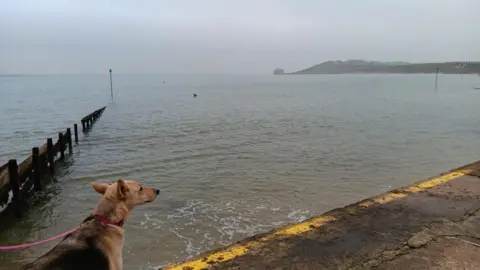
(122, 189)
(100, 187)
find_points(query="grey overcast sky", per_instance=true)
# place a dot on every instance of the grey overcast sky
(229, 36)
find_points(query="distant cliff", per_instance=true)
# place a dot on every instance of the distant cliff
(362, 66)
(278, 71)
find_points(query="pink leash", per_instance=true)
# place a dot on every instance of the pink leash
(37, 243)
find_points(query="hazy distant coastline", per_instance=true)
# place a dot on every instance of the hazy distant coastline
(362, 66)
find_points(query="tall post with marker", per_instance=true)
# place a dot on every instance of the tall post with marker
(111, 84)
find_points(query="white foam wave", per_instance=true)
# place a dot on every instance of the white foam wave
(198, 226)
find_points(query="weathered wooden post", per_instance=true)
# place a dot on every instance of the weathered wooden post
(15, 184)
(43, 161)
(51, 155)
(69, 139)
(61, 145)
(83, 125)
(75, 130)
(88, 123)
(36, 163)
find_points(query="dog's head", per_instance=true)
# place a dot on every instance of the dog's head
(128, 192)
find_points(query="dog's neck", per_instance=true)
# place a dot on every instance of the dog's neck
(112, 211)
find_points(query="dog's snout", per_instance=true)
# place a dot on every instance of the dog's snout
(157, 191)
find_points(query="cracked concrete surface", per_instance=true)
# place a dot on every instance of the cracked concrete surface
(446, 245)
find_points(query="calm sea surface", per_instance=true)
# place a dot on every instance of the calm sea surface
(250, 153)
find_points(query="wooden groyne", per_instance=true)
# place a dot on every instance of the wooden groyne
(89, 120)
(18, 181)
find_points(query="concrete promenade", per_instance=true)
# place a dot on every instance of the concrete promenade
(431, 224)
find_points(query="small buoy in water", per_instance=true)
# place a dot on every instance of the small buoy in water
(194, 95)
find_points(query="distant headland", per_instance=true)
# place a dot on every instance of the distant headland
(363, 66)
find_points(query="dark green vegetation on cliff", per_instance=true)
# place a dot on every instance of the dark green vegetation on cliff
(362, 66)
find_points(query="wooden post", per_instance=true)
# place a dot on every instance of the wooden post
(36, 163)
(43, 164)
(61, 145)
(75, 130)
(51, 155)
(15, 184)
(83, 125)
(69, 139)
(88, 123)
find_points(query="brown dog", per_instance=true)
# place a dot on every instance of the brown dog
(98, 241)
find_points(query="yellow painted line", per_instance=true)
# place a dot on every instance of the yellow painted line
(383, 199)
(300, 228)
(415, 188)
(437, 181)
(238, 250)
(218, 257)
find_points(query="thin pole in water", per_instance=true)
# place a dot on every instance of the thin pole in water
(461, 76)
(436, 80)
(111, 84)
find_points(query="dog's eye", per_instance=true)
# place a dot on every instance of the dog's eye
(141, 188)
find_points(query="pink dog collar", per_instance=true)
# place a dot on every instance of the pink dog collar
(102, 219)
